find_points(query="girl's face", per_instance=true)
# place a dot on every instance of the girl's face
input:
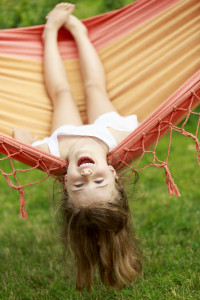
(89, 180)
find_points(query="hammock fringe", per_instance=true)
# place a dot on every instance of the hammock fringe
(172, 187)
(23, 212)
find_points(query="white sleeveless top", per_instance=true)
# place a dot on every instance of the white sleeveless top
(98, 130)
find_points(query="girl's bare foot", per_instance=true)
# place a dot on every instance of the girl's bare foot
(71, 23)
(75, 26)
(58, 16)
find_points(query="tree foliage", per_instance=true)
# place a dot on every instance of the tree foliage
(22, 13)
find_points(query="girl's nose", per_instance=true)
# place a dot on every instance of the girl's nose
(86, 172)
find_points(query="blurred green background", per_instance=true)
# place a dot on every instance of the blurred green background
(32, 12)
(168, 229)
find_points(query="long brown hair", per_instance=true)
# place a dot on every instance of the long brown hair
(101, 236)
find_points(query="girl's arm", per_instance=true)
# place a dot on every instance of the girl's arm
(24, 136)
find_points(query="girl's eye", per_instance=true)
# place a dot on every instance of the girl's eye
(78, 185)
(99, 181)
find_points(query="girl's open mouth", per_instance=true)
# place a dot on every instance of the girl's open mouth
(85, 161)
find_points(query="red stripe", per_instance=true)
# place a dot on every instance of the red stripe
(103, 29)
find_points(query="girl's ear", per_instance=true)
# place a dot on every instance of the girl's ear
(114, 173)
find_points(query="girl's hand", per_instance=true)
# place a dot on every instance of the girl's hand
(23, 135)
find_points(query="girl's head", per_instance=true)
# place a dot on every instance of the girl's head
(98, 226)
(90, 181)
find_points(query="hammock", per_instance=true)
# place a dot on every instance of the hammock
(150, 51)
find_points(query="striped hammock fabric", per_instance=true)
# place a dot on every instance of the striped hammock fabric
(150, 52)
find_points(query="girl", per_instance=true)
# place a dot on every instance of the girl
(97, 224)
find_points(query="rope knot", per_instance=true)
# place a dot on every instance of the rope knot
(21, 149)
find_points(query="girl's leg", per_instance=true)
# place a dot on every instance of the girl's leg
(97, 100)
(57, 85)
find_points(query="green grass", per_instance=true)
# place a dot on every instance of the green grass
(31, 262)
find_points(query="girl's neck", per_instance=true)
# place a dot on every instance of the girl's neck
(88, 144)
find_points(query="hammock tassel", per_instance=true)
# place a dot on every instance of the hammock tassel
(23, 212)
(172, 187)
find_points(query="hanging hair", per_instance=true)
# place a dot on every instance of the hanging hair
(101, 236)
